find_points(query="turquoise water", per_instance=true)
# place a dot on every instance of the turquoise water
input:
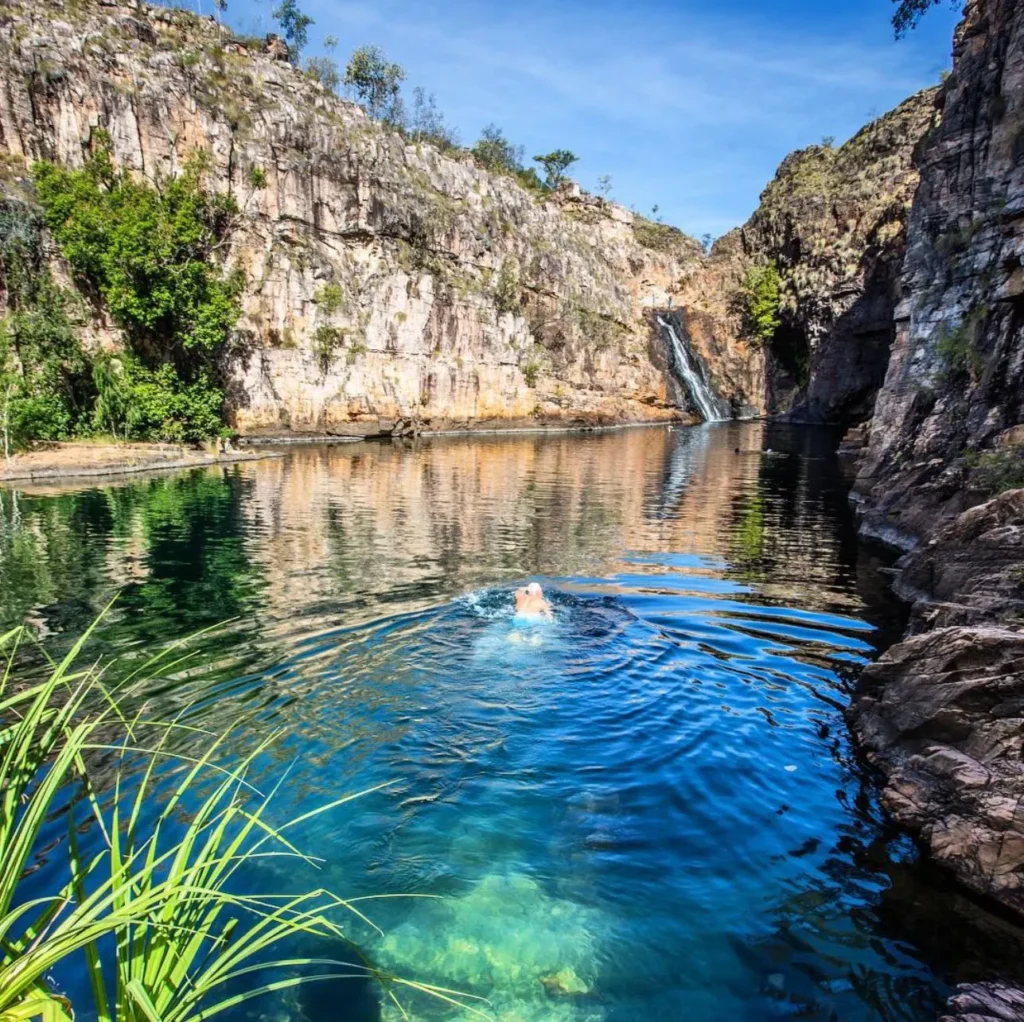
(647, 809)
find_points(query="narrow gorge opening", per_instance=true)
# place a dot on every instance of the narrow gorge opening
(791, 353)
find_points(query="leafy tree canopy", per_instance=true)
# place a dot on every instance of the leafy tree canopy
(761, 301)
(376, 81)
(493, 151)
(909, 13)
(295, 26)
(150, 254)
(555, 165)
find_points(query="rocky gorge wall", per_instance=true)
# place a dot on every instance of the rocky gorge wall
(954, 389)
(942, 713)
(834, 222)
(465, 300)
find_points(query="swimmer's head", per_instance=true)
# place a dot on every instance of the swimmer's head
(530, 600)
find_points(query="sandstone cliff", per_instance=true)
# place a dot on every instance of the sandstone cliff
(465, 301)
(834, 222)
(942, 435)
(943, 712)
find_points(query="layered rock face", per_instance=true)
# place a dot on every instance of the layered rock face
(833, 220)
(985, 1002)
(943, 712)
(456, 299)
(955, 383)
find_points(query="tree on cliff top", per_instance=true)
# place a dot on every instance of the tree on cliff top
(376, 81)
(295, 26)
(495, 152)
(909, 13)
(555, 165)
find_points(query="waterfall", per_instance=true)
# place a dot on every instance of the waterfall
(711, 407)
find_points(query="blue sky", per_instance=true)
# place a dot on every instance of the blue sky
(687, 105)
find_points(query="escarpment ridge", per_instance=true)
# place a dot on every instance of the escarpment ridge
(458, 299)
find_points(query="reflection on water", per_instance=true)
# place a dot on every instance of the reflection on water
(647, 808)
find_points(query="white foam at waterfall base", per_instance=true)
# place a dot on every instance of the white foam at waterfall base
(701, 394)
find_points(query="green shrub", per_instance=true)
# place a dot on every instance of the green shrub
(530, 180)
(531, 371)
(760, 302)
(507, 292)
(135, 402)
(325, 341)
(325, 71)
(329, 298)
(957, 352)
(496, 153)
(149, 253)
(998, 470)
(45, 380)
(257, 177)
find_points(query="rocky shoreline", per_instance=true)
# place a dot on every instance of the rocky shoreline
(58, 462)
(942, 712)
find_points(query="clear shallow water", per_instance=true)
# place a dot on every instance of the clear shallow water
(648, 808)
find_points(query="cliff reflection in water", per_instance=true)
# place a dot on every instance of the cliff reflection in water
(337, 528)
(330, 534)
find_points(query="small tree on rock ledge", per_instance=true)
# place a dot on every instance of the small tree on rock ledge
(555, 165)
(295, 26)
(376, 81)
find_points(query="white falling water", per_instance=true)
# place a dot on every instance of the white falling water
(709, 406)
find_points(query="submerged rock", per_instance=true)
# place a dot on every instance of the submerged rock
(564, 983)
(531, 955)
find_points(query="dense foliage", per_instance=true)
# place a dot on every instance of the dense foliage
(148, 255)
(45, 383)
(760, 300)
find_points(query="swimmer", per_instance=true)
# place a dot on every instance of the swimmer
(530, 602)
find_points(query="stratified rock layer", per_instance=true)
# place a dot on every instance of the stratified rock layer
(464, 300)
(833, 220)
(955, 382)
(943, 711)
(985, 1002)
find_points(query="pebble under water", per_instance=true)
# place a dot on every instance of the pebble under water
(647, 808)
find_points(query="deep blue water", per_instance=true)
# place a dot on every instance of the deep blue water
(646, 809)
